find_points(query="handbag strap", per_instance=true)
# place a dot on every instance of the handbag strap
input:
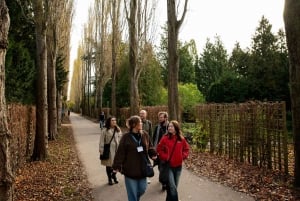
(172, 151)
(112, 136)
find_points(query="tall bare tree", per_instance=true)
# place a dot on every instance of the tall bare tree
(139, 15)
(88, 57)
(55, 13)
(102, 47)
(6, 173)
(292, 28)
(133, 56)
(58, 35)
(76, 83)
(65, 24)
(40, 8)
(173, 61)
(115, 43)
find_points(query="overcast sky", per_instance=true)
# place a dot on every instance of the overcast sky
(232, 20)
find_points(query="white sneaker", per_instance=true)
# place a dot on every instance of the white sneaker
(148, 181)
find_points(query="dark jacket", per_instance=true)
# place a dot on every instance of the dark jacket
(159, 130)
(147, 126)
(128, 160)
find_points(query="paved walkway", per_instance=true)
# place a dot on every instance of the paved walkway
(191, 187)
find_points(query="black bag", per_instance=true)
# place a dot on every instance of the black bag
(148, 169)
(106, 151)
(164, 172)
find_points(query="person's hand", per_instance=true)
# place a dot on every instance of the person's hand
(154, 157)
(115, 171)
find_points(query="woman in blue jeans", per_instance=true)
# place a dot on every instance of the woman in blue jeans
(129, 160)
(173, 148)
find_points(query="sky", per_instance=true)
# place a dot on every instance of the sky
(232, 20)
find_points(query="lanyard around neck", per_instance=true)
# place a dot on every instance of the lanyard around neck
(137, 142)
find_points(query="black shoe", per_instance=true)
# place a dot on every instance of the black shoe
(113, 176)
(110, 182)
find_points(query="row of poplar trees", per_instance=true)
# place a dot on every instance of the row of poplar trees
(102, 46)
(42, 11)
(51, 23)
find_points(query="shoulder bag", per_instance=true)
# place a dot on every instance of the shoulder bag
(106, 149)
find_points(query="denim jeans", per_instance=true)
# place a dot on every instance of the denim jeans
(135, 188)
(174, 175)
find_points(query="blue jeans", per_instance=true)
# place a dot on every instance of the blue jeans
(101, 124)
(174, 175)
(135, 188)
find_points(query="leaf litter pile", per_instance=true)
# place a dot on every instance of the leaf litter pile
(62, 177)
(259, 183)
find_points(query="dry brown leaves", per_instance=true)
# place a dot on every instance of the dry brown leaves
(59, 178)
(259, 183)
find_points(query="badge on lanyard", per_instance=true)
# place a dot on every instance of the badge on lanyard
(140, 148)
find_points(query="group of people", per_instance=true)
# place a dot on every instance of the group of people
(164, 143)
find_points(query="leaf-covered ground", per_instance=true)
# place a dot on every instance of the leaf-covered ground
(259, 183)
(62, 178)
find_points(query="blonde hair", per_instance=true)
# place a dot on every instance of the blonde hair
(133, 121)
(163, 113)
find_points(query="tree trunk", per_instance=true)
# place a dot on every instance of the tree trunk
(134, 92)
(292, 28)
(41, 138)
(52, 112)
(6, 172)
(173, 60)
(115, 40)
(59, 108)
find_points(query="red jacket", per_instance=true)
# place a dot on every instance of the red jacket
(165, 147)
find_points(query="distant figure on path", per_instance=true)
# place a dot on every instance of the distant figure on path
(102, 119)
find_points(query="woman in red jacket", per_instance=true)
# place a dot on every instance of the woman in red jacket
(173, 148)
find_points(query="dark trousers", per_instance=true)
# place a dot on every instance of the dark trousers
(110, 174)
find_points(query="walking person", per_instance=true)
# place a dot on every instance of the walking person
(147, 127)
(110, 134)
(159, 131)
(173, 148)
(147, 124)
(129, 160)
(101, 119)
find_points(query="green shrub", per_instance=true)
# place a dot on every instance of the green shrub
(196, 135)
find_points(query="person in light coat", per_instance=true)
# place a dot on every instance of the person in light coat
(111, 131)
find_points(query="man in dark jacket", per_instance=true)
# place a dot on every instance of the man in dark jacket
(159, 131)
